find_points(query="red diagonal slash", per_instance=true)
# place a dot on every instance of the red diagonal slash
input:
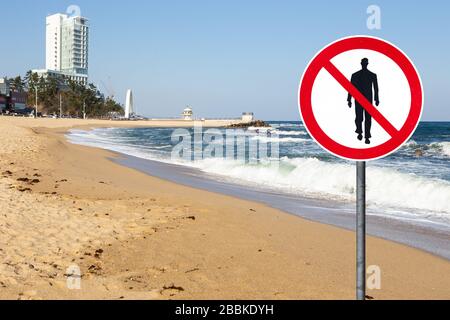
(347, 85)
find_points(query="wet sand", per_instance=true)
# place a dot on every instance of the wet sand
(430, 237)
(139, 237)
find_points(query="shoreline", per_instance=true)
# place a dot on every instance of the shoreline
(431, 238)
(167, 237)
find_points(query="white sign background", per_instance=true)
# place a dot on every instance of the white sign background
(329, 98)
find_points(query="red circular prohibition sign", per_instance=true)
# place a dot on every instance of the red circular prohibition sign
(323, 60)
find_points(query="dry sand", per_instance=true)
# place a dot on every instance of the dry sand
(139, 237)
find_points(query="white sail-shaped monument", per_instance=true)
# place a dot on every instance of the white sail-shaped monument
(129, 109)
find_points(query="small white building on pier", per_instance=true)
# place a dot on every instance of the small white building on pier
(187, 114)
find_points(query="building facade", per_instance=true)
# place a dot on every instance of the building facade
(187, 114)
(11, 100)
(53, 42)
(61, 75)
(248, 117)
(4, 87)
(67, 48)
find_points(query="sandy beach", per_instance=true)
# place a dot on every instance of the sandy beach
(139, 237)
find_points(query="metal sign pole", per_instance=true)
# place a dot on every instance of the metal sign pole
(60, 105)
(361, 230)
(36, 105)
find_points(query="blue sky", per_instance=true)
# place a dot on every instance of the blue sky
(225, 57)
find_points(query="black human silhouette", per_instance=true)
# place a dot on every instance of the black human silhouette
(366, 82)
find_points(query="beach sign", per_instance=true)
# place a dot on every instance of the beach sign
(361, 98)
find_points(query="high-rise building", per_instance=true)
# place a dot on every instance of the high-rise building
(67, 39)
(53, 42)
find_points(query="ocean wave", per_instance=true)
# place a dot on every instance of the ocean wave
(288, 125)
(387, 187)
(432, 149)
(443, 147)
(310, 176)
(278, 139)
(410, 143)
(290, 133)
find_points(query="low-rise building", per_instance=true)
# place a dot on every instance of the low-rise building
(19, 100)
(4, 87)
(5, 93)
(11, 100)
(187, 114)
(61, 75)
(248, 117)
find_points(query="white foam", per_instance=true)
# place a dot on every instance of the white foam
(310, 176)
(94, 139)
(278, 139)
(444, 147)
(410, 143)
(290, 133)
(420, 197)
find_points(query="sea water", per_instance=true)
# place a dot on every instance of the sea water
(412, 184)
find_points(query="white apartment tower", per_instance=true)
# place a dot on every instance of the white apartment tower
(53, 42)
(67, 39)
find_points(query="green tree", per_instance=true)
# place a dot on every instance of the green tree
(31, 81)
(17, 84)
(74, 96)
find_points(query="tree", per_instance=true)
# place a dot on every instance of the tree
(17, 84)
(74, 96)
(31, 81)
